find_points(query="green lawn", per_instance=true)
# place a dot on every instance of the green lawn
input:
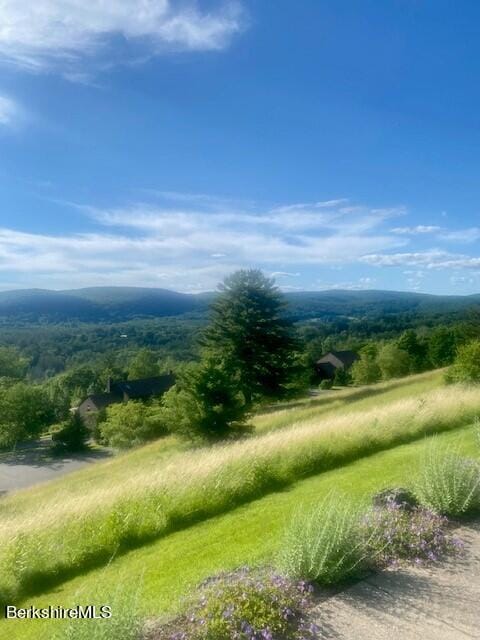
(167, 569)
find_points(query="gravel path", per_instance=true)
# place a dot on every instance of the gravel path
(437, 603)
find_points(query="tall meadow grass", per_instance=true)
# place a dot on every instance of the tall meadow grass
(64, 536)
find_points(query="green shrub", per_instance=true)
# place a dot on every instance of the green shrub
(130, 424)
(397, 534)
(393, 361)
(246, 605)
(448, 484)
(25, 411)
(466, 367)
(366, 369)
(71, 436)
(326, 384)
(324, 544)
(342, 377)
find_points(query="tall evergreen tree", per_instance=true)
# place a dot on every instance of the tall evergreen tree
(249, 330)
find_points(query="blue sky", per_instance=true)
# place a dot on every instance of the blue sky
(332, 143)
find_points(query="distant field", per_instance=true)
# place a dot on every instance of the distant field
(146, 497)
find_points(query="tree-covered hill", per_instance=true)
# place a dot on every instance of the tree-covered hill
(117, 304)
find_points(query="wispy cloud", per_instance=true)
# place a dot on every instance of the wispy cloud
(419, 229)
(64, 34)
(190, 242)
(9, 112)
(464, 236)
(433, 259)
(192, 248)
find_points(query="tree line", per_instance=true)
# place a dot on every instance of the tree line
(248, 354)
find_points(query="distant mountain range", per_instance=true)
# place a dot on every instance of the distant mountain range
(116, 304)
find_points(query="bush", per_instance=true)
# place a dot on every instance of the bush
(396, 534)
(366, 370)
(72, 435)
(466, 368)
(342, 377)
(326, 384)
(323, 545)
(25, 411)
(448, 484)
(245, 605)
(393, 361)
(442, 346)
(131, 424)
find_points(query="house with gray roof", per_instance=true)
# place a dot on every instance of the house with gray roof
(328, 364)
(123, 391)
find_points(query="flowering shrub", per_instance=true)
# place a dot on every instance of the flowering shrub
(396, 534)
(324, 544)
(448, 483)
(245, 605)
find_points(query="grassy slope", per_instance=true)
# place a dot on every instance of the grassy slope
(76, 530)
(152, 456)
(167, 569)
(328, 403)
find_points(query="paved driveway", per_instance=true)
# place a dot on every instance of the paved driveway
(438, 603)
(32, 463)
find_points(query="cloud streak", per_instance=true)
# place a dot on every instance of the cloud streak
(433, 259)
(191, 249)
(189, 243)
(66, 34)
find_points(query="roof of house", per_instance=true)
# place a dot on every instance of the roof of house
(102, 400)
(346, 357)
(144, 387)
(133, 389)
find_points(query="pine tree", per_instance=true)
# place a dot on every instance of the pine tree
(206, 402)
(250, 332)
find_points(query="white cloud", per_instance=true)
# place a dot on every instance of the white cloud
(192, 242)
(193, 248)
(9, 112)
(60, 34)
(433, 259)
(362, 284)
(464, 236)
(419, 229)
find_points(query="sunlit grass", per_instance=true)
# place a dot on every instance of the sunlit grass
(73, 531)
(169, 568)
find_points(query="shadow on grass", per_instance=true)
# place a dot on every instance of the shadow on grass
(34, 583)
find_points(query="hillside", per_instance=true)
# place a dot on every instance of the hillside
(372, 438)
(94, 304)
(117, 304)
